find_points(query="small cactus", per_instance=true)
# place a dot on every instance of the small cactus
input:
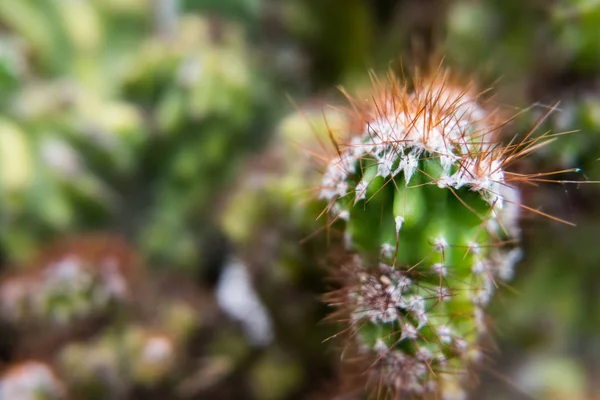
(69, 282)
(116, 361)
(431, 219)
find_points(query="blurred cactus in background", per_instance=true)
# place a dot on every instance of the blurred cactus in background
(67, 291)
(148, 122)
(79, 287)
(205, 116)
(273, 224)
(108, 366)
(69, 284)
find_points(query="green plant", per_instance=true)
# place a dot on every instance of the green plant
(106, 121)
(431, 227)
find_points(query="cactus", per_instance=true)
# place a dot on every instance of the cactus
(266, 219)
(110, 328)
(94, 114)
(114, 361)
(430, 219)
(72, 288)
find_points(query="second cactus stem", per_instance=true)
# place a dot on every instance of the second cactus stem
(430, 221)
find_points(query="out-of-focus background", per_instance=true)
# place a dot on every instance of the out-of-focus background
(153, 176)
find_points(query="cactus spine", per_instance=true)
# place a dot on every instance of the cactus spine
(431, 221)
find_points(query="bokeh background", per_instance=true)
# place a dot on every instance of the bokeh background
(153, 176)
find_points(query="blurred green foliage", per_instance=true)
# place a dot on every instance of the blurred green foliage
(134, 128)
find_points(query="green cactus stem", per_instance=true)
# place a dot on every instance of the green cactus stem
(431, 221)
